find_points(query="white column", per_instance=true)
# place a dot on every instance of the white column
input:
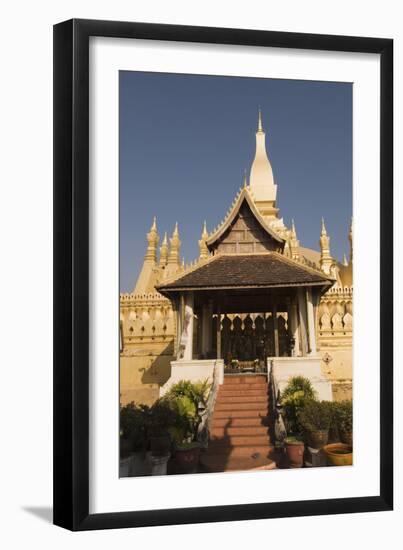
(205, 325)
(303, 321)
(179, 318)
(294, 328)
(187, 334)
(275, 330)
(311, 322)
(218, 331)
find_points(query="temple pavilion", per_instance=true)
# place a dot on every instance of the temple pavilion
(254, 301)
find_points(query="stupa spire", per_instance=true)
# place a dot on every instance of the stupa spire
(152, 239)
(326, 259)
(259, 122)
(145, 280)
(174, 252)
(350, 238)
(294, 242)
(164, 250)
(261, 181)
(203, 250)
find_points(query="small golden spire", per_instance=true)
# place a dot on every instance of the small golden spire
(323, 231)
(205, 232)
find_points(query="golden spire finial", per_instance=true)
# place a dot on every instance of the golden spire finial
(345, 262)
(176, 230)
(164, 250)
(154, 225)
(293, 227)
(204, 232)
(324, 232)
(259, 124)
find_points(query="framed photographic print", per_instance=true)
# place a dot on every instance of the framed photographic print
(223, 318)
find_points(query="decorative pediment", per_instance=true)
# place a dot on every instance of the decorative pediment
(244, 230)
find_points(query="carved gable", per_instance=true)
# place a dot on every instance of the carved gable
(245, 235)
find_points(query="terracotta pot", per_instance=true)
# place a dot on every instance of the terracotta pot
(295, 453)
(339, 454)
(317, 439)
(346, 437)
(187, 459)
(160, 445)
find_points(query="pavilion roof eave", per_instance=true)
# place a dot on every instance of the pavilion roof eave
(172, 290)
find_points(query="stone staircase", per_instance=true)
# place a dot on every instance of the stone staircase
(239, 431)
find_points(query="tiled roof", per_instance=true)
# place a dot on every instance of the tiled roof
(249, 270)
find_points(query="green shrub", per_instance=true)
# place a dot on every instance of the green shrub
(133, 425)
(314, 416)
(295, 394)
(342, 416)
(187, 399)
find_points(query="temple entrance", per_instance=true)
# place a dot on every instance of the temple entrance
(247, 339)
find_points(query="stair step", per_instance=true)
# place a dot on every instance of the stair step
(240, 413)
(262, 451)
(238, 393)
(251, 421)
(249, 406)
(221, 463)
(235, 440)
(223, 431)
(248, 379)
(241, 399)
(244, 386)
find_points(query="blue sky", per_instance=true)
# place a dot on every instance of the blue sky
(185, 141)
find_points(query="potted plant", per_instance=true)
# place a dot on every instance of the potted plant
(294, 448)
(295, 394)
(339, 454)
(188, 400)
(160, 418)
(343, 413)
(314, 417)
(133, 439)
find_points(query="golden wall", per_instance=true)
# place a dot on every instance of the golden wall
(148, 333)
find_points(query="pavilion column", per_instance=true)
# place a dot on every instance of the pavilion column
(180, 309)
(311, 322)
(187, 334)
(218, 331)
(294, 329)
(275, 329)
(206, 329)
(303, 321)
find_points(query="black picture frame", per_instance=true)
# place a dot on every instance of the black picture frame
(71, 274)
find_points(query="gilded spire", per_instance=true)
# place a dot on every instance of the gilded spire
(164, 251)
(152, 239)
(350, 238)
(345, 262)
(174, 252)
(202, 243)
(326, 259)
(294, 242)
